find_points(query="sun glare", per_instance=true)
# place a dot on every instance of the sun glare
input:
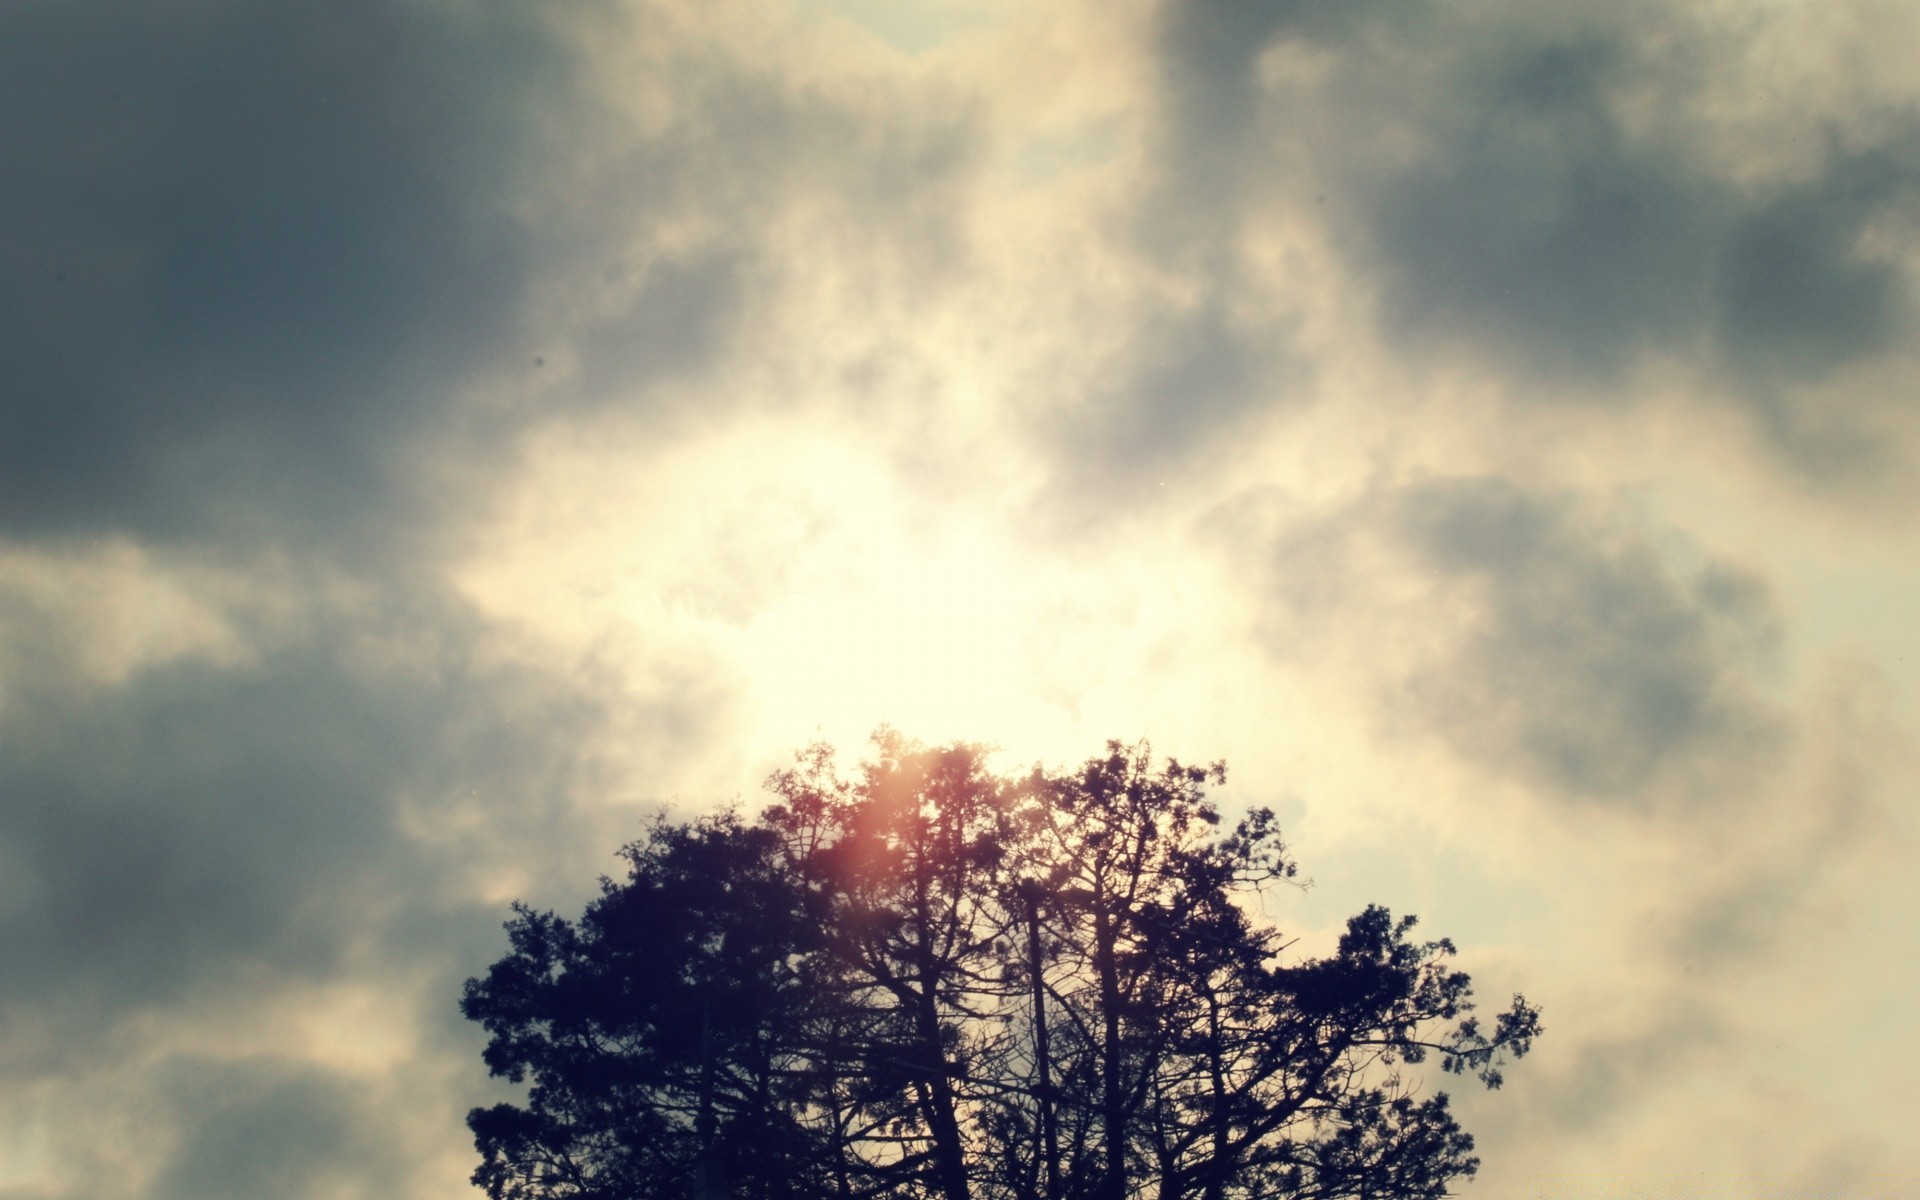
(792, 566)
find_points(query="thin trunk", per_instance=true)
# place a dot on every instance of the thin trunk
(762, 1105)
(707, 1182)
(1113, 1112)
(941, 1105)
(838, 1119)
(1042, 1062)
(1217, 1169)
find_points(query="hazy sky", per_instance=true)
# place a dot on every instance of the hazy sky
(436, 433)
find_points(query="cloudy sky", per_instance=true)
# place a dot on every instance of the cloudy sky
(435, 434)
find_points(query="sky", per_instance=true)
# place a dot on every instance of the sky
(436, 435)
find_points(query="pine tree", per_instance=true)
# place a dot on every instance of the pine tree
(931, 981)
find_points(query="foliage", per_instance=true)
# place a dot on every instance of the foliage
(930, 981)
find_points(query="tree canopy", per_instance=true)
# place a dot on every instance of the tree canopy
(927, 980)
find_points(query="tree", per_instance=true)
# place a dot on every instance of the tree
(931, 981)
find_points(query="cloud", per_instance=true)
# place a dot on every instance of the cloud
(252, 246)
(433, 427)
(1544, 227)
(203, 850)
(275, 271)
(1213, 133)
(272, 1128)
(354, 790)
(1589, 663)
(678, 320)
(199, 819)
(288, 288)
(1533, 635)
(1565, 199)
(721, 217)
(159, 859)
(1539, 226)
(1162, 402)
(1798, 293)
(1609, 1074)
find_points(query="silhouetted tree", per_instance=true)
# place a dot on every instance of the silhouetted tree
(930, 981)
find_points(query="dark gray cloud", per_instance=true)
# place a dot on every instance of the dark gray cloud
(305, 274)
(1198, 362)
(204, 824)
(1588, 664)
(1794, 294)
(1209, 49)
(260, 256)
(1210, 52)
(250, 247)
(1214, 134)
(1540, 223)
(1217, 139)
(1547, 190)
(1538, 226)
(272, 1128)
(199, 820)
(1572, 654)
(1159, 405)
(205, 841)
